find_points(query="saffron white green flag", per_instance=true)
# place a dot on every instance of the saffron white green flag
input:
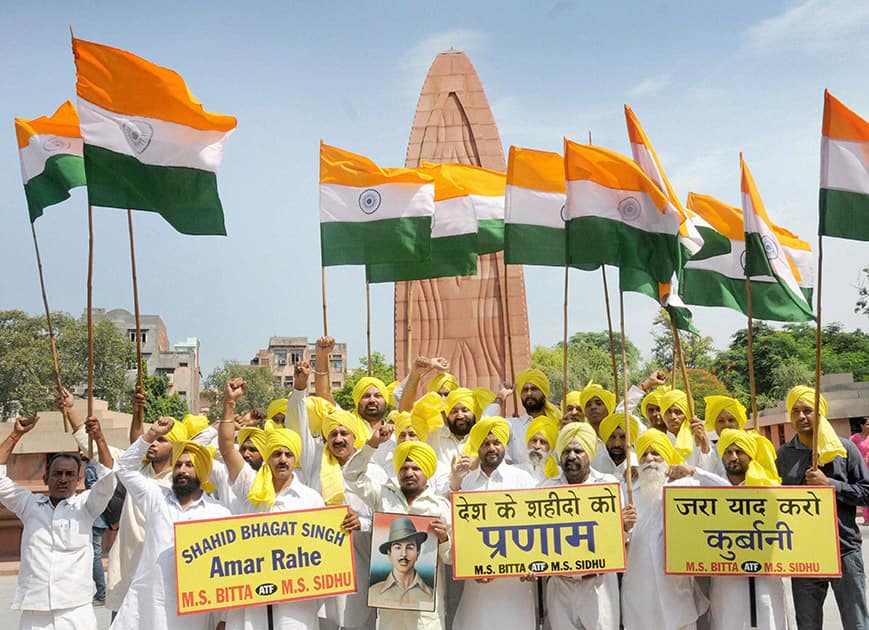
(715, 276)
(690, 241)
(487, 195)
(50, 149)
(372, 215)
(844, 200)
(453, 231)
(534, 228)
(616, 215)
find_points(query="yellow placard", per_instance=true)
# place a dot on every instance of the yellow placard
(548, 531)
(257, 559)
(780, 530)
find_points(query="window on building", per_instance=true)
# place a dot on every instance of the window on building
(336, 384)
(288, 380)
(781, 434)
(131, 335)
(296, 356)
(182, 364)
(183, 395)
(313, 362)
(281, 358)
(337, 365)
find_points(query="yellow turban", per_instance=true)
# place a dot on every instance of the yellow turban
(195, 424)
(201, 458)
(593, 389)
(538, 378)
(444, 380)
(573, 398)
(761, 470)
(496, 425)
(429, 410)
(464, 396)
(275, 407)
(317, 408)
(716, 404)
(684, 438)
(331, 477)
(362, 386)
(829, 444)
(256, 436)
(406, 420)
(391, 390)
(483, 397)
(582, 432)
(661, 443)
(654, 398)
(262, 492)
(419, 452)
(549, 429)
(609, 424)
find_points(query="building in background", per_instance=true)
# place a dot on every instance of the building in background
(178, 362)
(283, 352)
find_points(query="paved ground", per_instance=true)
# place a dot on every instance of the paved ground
(9, 618)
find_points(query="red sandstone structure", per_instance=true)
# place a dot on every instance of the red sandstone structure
(463, 318)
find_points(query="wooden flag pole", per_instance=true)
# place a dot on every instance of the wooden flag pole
(817, 415)
(629, 486)
(323, 291)
(752, 389)
(368, 323)
(90, 323)
(408, 352)
(139, 377)
(510, 343)
(564, 348)
(609, 322)
(54, 362)
(677, 349)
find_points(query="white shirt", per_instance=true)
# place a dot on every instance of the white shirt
(56, 552)
(151, 603)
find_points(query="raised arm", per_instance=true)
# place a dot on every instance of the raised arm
(235, 389)
(355, 477)
(323, 377)
(297, 420)
(22, 425)
(95, 431)
(421, 367)
(13, 496)
(101, 492)
(144, 492)
(138, 422)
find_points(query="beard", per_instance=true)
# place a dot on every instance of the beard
(653, 475)
(533, 404)
(186, 489)
(535, 457)
(460, 428)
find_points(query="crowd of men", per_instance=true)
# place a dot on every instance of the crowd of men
(310, 453)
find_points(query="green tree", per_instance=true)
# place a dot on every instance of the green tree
(262, 387)
(158, 400)
(379, 368)
(697, 350)
(863, 293)
(703, 383)
(26, 373)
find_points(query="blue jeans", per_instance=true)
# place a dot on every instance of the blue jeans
(99, 574)
(850, 592)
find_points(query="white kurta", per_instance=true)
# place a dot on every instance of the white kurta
(589, 602)
(503, 602)
(298, 615)
(651, 599)
(151, 603)
(56, 551)
(729, 603)
(389, 498)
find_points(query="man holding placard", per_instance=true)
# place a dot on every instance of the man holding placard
(841, 466)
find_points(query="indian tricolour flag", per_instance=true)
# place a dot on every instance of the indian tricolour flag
(764, 254)
(486, 188)
(616, 215)
(844, 201)
(372, 215)
(535, 199)
(453, 233)
(51, 158)
(148, 143)
(715, 276)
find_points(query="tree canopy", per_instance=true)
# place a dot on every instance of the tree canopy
(262, 387)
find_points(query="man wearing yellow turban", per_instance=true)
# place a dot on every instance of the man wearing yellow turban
(612, 457)
(651, 408)
(460, 409)
(573, 411)
(154, 582)
(657, 600)
(842, 467)
(540, 438)
(674, 405)
(722, 412)
(251, 446)
(533, 388)
(597, 403)
(277, 411)
(275, 487)
(749, 459)
(515, 599)
(411, 492)
(441, 384)
(410, 427)
(593, 601)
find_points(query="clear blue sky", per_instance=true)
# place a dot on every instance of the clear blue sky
(707, 80)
